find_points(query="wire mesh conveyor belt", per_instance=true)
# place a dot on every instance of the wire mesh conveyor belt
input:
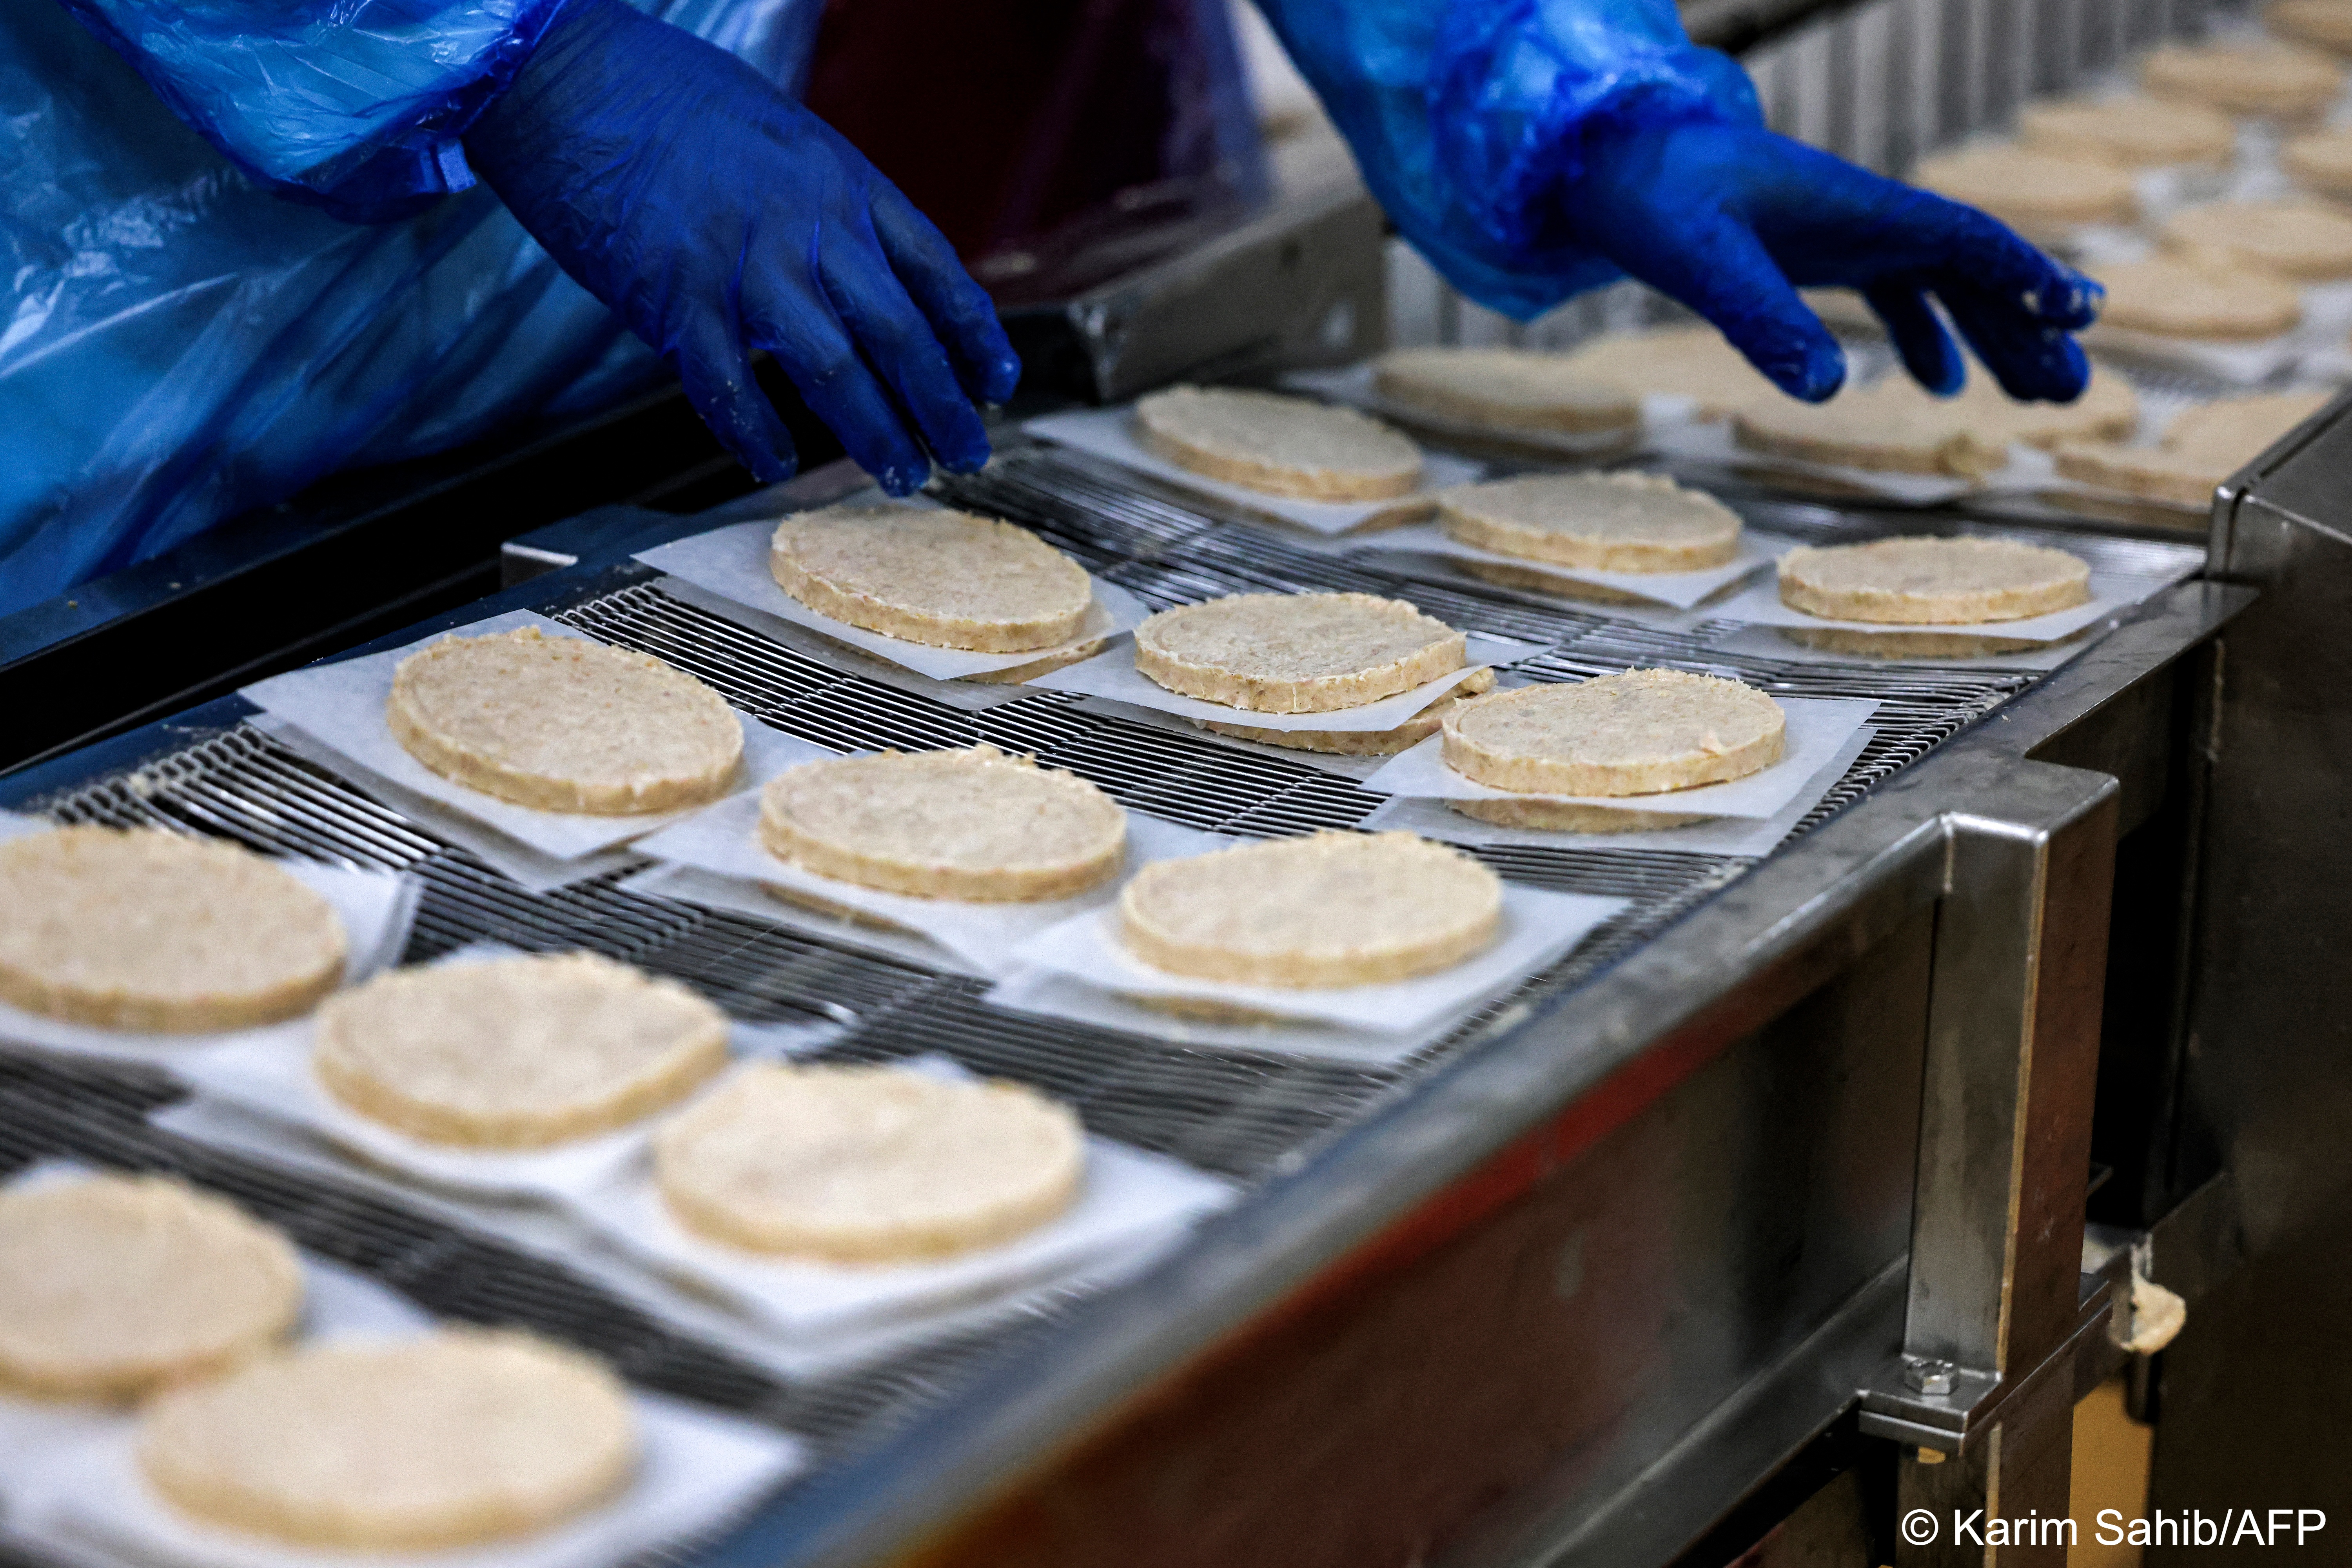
(1242, 1115)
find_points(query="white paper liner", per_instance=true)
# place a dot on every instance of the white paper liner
(1047, 994)
(732, 562)
(1681, 590)
(1768, 642)
(1817, 728)
(687, 885)
(1537, 928)
(1713, 443)
(272, 1077)
(1338, 764)
(376, 909)
(342, 707)
(1127, 1195)
(2248, 361)
(725, 841)
(1113, 675)
(521, 864)
(1357, 387)
(1109, 434)
(1760, 605)
(1739, 836)
(970, 696)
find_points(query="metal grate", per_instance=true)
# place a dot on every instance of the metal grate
(1242, 1115)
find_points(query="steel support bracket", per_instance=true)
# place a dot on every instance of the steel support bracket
(1996, 1305)
(1889, 1407)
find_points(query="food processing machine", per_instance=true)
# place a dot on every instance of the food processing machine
(1812, 1191)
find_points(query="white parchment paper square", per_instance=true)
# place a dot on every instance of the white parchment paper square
(1741, 835)
(1357, 385)
(1713, 443)
(2241, 362)
(520, 863)
(1113, 676)
(1537, 928)
(1817, 728)
(375, 907)
(1680, 589)
(1049, 994)
(732, 562)
(725, 840)
(1760, 605)
(1771, 642)
(1336, 762)
(1127, 1196)
(342, 707)
(1109, 434)
(272, 1077)
(713, 891)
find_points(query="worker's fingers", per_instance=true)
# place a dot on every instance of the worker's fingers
(799, 327)
(1842, 219)
(2031, 360)
(960, 310)
(898, 343)
(1718, 268)
(1927, 351)
(717, 377)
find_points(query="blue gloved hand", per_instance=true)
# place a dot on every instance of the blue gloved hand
(719, 218)
(1732, 220)
(1533, 149)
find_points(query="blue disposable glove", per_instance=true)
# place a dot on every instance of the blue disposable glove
(719, 218)
(1533, 149)
(1732, 220)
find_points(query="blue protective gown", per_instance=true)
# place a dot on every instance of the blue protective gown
(194, 327)
(245, 249)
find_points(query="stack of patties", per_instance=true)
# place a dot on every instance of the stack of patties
(1278, 445)
(152, 930)
(1895, 425)
(1307, 653)
(1503, 393)
(941, 578)
(565, 724)
(1647, 733)
(1922, 582)
(974, 825)
(2202, 448)
(118, 1289)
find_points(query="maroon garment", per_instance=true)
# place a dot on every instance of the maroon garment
(1003, 119)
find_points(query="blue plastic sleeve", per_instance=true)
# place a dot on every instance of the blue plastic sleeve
(1469, 117)
(355, 106)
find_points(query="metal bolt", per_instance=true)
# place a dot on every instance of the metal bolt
(1927, 1374)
